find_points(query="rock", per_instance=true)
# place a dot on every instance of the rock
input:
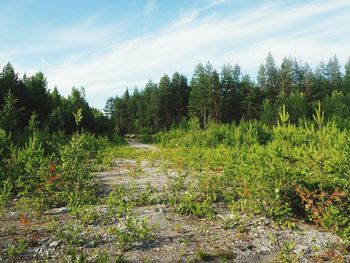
(138, 244)
(91, 244)
(161, 209)
(56, 211)
(300, 248)
(38, 250)
(54, 244)
(144, 163)
(263, 250)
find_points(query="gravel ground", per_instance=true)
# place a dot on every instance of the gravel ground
(176, 238)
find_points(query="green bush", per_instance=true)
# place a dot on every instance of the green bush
(75, 178)
(31, 168)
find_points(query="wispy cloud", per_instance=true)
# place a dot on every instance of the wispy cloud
(150, 7)
(302, 30)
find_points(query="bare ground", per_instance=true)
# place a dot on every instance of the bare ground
(180, 238)
(176, 238)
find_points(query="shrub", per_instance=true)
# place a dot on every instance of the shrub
(31, 168)
(75, 179)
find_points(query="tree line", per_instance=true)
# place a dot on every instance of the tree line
(229, 96)
(223, 97)
(27, 102)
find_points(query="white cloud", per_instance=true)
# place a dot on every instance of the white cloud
(244, 38)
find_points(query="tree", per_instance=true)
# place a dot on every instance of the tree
(9, 114)
(230, 93)
(309, 89)
(333, 75)
(37, 96)
(261, 78)
(151, 94)
(199, 95)
(165, 105)
(321, 88)
(268, 113)
(286, 76)
(180, 96)
(296, 106)
(335, 106)
(204, 101)
(109, 107)
(250, 99)
(346, 78)
(271, 77)
(8, 82)
(298, 76)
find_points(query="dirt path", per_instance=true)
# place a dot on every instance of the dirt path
(136, 144)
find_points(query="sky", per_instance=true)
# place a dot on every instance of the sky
(107, 46)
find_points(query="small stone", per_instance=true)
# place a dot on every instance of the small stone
(300, 248)
(91, 244)
(37, 250)
(264, 249)
(54, 244)
(56, 211)
(138, 244)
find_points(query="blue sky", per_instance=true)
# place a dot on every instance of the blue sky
(106, 46)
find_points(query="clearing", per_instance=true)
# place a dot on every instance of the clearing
(173, 237)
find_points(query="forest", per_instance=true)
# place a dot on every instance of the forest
(28, 100)
(221, 168)
(230, 96)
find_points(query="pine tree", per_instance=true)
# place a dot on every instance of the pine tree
(230, 93)
(261, 78)
(205, 98)
(109, 107)
(9, 114)
(333, 75)
(180, 93)
(286, 76)
(165, 107)
(346, 78)
(271, 77)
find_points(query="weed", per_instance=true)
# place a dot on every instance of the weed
(133, 230)
(15, 251)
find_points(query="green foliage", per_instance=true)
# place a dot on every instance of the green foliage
(32, 167)
(134, 230)
(15, 251)
(190, 203)
(78, 117)
(71, 234)
(6, 193)
(286, 171)
(5, 146)
(75, 177)
(117, 204)
(268, 114)
(9, 113)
